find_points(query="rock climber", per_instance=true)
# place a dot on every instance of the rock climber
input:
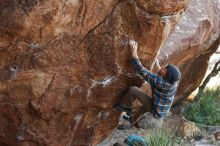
(163, 85)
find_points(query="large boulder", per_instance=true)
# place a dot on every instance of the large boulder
(194, 39)
(65, 64)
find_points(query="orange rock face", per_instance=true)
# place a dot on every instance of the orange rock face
(65, 64)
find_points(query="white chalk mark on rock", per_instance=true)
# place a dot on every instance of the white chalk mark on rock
(105, 82)
(166, 19)
(13, 71)
(77, 119)
(102, 115)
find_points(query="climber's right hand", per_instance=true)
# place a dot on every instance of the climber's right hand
(157, 64)
(133, 47)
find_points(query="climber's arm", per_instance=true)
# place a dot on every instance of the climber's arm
(145, 73)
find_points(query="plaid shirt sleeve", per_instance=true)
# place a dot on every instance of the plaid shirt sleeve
(150, 77)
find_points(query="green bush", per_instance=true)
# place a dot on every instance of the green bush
(161, 137)
(206, 111)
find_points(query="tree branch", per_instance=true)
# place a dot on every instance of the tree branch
(213, 73)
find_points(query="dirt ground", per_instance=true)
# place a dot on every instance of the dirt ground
(174, 121)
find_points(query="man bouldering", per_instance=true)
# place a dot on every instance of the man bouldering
(163, 85)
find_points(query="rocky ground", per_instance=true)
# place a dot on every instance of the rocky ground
(189, 133)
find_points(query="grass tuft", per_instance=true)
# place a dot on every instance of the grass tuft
(206, 111)
(161, 137)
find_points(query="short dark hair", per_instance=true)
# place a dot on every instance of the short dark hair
(173, 74)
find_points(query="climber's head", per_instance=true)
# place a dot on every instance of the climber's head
(173, 74)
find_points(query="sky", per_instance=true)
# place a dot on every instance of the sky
(215, 81)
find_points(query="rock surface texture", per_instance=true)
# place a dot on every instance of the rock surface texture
(65, 64)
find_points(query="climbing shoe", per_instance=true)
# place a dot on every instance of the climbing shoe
(127, 117)
(124, 108)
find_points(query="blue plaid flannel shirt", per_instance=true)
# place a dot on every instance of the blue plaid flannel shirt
(163, 92)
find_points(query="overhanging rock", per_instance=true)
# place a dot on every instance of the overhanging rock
(65, 64)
